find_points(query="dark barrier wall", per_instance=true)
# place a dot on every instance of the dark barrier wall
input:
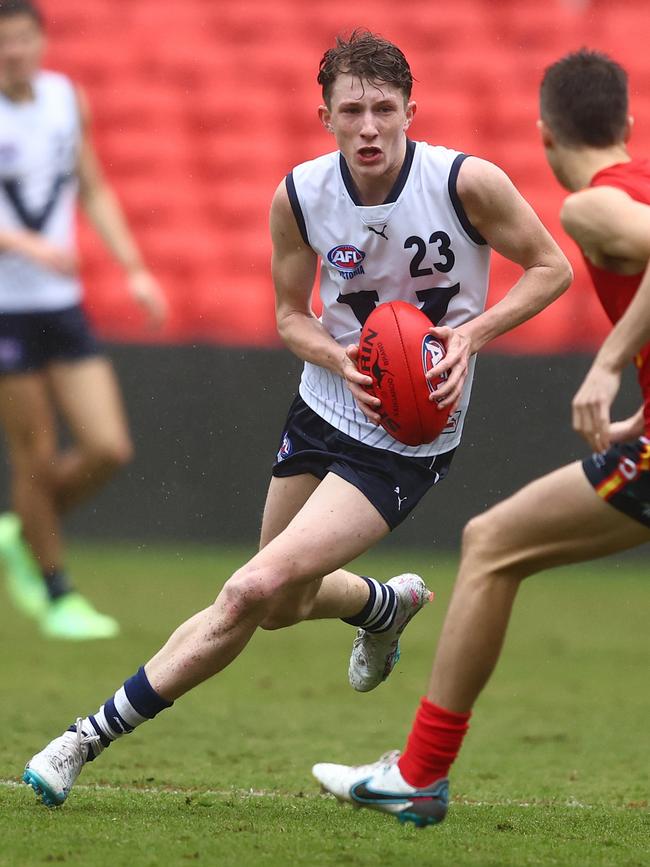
(207, 422)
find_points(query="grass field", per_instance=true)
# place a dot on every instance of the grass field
(555, 769)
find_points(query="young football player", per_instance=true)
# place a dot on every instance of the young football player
(50, 363)
(390, 218)
(584, 510)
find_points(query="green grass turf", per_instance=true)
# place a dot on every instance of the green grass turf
(554, 770)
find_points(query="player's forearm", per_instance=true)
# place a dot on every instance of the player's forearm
(13, 241)
(104, 212)
(631, 332)
(305, 336)
(538, 287)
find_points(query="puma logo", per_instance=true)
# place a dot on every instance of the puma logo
(381, 234)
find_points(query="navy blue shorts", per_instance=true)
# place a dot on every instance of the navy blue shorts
(394, 484)
(621, 476)
(30, 341)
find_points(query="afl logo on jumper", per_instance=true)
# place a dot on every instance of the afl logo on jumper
(432, 354)
(347, 260)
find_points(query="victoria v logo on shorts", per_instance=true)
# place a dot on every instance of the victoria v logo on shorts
(400, 500)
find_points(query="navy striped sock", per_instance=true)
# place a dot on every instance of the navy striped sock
(134, 703)
(378, 614)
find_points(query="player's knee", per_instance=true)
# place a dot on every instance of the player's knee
(478, 537)
(111, 455)
(252, 589)
(490, 550)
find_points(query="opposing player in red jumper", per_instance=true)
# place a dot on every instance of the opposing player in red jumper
(390, 219)
(582, 511)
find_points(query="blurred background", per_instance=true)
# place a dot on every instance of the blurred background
(199, 110)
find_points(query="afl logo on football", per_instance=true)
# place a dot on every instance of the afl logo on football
(432, 353)
(347, 260)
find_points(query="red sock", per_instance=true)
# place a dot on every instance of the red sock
(434, 742)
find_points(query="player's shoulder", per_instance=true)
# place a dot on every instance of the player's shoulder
(55, 81)
(589, 203)
(466, 170)
(311, 175)
(316, 167)
(57, 90)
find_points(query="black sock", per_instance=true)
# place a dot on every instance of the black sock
(378, 614)
(57, 583)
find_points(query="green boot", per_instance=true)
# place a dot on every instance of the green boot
(23, 579)
(72, 618)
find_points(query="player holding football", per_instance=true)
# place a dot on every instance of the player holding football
(584, 510)
(50, 362)
(390, 219)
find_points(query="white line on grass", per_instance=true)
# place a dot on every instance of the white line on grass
(261, 793)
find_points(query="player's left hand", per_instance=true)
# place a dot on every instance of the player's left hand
(592, 404)
(628, 429)
(458, 348)
(148, 293)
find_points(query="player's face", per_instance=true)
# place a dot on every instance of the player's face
(21, 47)
(369, 122)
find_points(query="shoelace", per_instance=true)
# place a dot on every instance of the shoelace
(72, 750)
(389, 759)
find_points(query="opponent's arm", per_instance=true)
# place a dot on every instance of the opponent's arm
(607, 221)
(511, 227)
(293, 266)
(102, 207)
(592, 404)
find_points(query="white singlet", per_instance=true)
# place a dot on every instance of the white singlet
(419, 246)
(39, 146)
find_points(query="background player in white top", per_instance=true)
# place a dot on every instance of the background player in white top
(49, 361)
(332, 496)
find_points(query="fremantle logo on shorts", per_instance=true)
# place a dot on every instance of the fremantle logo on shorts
(347, 260)
(285, 448)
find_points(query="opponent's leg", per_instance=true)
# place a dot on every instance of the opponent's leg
(556, 520)
(87, 393)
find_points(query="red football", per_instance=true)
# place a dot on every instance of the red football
(396, 350)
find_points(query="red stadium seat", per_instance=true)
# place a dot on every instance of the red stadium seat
(200, 109)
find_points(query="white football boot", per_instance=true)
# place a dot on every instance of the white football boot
(374, 654)
(380, 786)
(53, 772)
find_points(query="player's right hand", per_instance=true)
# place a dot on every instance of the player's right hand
(355, 381)
(45, 254)
(592, 404)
